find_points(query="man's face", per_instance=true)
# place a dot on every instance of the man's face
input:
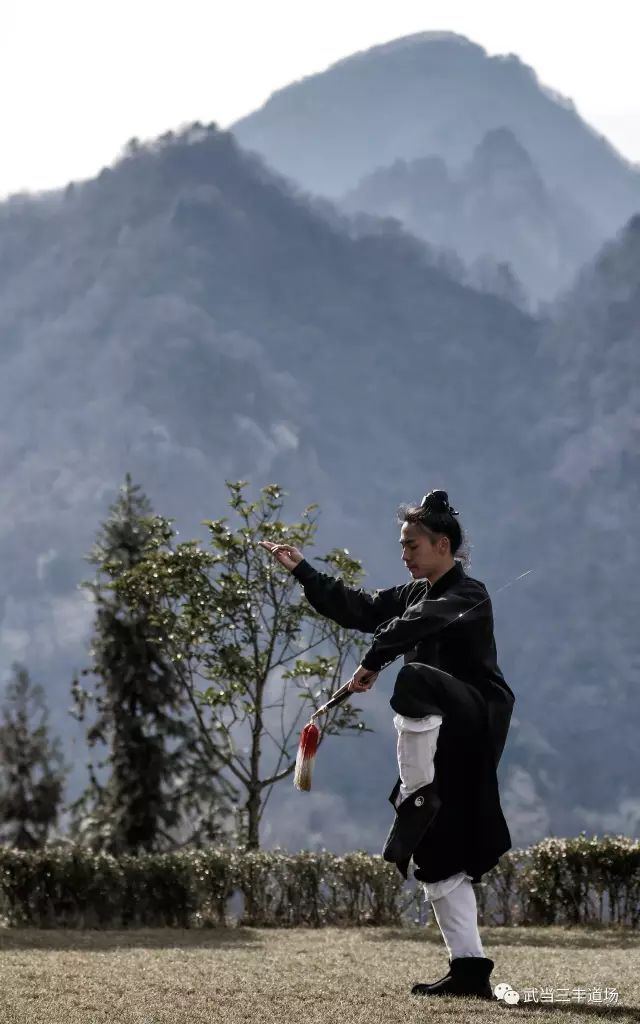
(419, 554)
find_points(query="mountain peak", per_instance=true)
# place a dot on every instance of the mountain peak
(434, 94)
(502, 140)
(501, 152)
(428, 37)
(417, 39)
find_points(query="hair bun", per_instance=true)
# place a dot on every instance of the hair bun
(438, 501)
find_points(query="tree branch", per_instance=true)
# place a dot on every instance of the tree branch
(276, 778)
(205, 735)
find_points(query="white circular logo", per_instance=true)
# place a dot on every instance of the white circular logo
(419, 800)
(504, 991)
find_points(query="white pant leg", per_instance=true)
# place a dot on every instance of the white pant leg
(456, 913)
(417, 739)
(434, 890)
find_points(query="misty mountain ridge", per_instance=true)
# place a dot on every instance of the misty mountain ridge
(594, 337)
(189, 317)
(496, 210)
(434, 94)
(184, 316)
(592, 428)
(540, 190)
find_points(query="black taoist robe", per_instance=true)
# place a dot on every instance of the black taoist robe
(418, 620)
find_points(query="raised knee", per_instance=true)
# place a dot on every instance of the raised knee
(414, 693)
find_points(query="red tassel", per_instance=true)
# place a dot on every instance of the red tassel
(307, 747)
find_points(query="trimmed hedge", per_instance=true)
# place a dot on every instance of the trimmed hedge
(574, 881)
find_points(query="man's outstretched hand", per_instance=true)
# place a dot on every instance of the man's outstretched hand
(286, 554)
(362, 680)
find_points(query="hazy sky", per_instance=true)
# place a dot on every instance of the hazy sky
(79, 78)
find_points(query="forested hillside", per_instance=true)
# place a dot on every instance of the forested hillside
(189, 317)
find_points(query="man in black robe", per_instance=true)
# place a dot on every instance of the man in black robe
(453, 709)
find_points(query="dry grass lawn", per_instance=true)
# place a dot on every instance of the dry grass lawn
(326, 976)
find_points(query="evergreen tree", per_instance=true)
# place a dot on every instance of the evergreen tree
(161, 790)
(32, 768)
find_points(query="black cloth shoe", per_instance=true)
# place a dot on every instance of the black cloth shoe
(467, 976)
(413, 817)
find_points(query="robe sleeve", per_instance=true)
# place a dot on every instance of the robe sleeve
(350, 608)
(419, 621)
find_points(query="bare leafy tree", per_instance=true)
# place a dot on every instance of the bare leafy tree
(232, 618)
